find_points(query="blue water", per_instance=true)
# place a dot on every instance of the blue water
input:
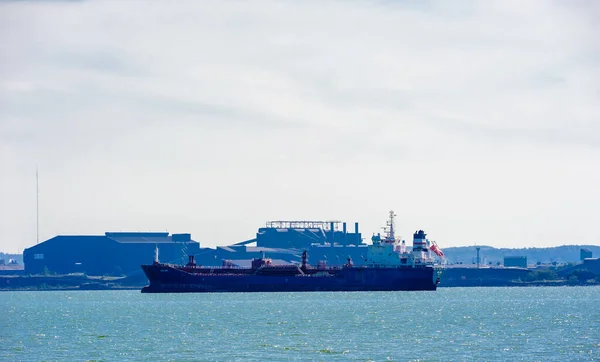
(508, 324)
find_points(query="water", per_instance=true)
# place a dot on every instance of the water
(508, 324)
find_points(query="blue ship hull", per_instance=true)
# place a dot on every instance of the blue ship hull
(165, 278)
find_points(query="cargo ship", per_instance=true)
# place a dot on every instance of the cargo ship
(389, 266)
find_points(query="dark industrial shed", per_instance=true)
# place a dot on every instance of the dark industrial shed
(114, 253)
(515, 261)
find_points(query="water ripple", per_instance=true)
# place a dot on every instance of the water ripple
(508, 324)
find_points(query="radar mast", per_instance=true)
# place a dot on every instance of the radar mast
(390, 229)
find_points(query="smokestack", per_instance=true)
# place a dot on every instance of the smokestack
(344, 227)
(356, 228)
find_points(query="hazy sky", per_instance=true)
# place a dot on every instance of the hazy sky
(478, 122)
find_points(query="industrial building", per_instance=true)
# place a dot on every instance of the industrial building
(592, 264)
(114, 253)
(515, 261)
(123, 253)
(585, 253)
(300, 234)
(284, 241)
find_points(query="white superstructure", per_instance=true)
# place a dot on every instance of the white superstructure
(391, 251)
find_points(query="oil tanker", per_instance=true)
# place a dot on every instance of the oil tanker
(389, 266)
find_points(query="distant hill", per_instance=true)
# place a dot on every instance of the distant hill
(558, 254)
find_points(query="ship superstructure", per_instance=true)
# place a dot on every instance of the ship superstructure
(390, 250)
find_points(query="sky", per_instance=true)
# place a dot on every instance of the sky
(477, 121)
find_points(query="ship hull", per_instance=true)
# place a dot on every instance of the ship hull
(169, 279)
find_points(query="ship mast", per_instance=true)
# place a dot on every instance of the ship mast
(391, 225)
(390, 236)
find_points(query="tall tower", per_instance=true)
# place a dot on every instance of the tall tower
(478, 259)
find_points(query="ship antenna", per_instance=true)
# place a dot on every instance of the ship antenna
(391, 232)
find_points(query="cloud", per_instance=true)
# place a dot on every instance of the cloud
(211, 118)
